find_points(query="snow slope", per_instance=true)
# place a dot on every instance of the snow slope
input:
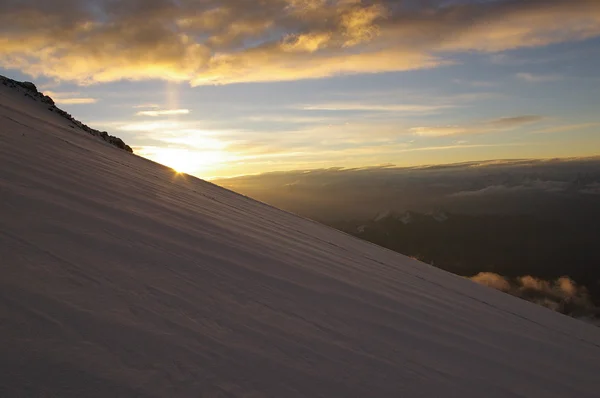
(120, 278)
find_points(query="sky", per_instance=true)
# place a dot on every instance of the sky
(234, 87)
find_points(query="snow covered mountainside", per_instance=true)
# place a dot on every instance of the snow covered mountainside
(120, 278)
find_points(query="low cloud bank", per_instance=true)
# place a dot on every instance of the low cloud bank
(562, 295)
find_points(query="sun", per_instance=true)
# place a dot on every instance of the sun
(181, 164)
(188, 161)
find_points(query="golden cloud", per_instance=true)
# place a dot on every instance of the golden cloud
(70, 98)
(163, 112)
(231, 41)
(482, 127)
(75, 101)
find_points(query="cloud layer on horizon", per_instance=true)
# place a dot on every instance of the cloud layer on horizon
(218, 42)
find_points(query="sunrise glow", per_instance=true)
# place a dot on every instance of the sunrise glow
(231, 88)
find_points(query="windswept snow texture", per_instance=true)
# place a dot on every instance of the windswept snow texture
(122, 279)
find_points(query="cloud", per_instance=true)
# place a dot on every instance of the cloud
(146, 106)
(366, 107)
(70, 98)
(476, 83)
(515, 120)
(164, 112)
(488, 126)
(228, 41)
(75, 101)
(158, 125)
(562, 294)
(439, 131)
(492, 280)
(529, 186)
(286, 118)
(532, 78)
(567, 127)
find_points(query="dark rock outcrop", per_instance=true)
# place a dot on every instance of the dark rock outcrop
(47, 100)
(30, 90)
(28, 86)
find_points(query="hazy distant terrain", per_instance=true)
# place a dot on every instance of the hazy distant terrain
(511, 218)
(556, 188)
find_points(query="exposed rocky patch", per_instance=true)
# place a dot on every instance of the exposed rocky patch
(30, 90)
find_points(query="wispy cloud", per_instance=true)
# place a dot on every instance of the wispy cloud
(75, 101)
(494, 125)
(290, 119)
(164, 112)
(438, 131)
(146, 106)
(151, 126)
(476, 83)
(515, 120)
(511, 59)
(566, 127)
(365, 107)
(531, 186)
(70, 98)
(538, 78)
(458, 146)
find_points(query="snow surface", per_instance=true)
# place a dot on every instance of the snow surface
(120, 278)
